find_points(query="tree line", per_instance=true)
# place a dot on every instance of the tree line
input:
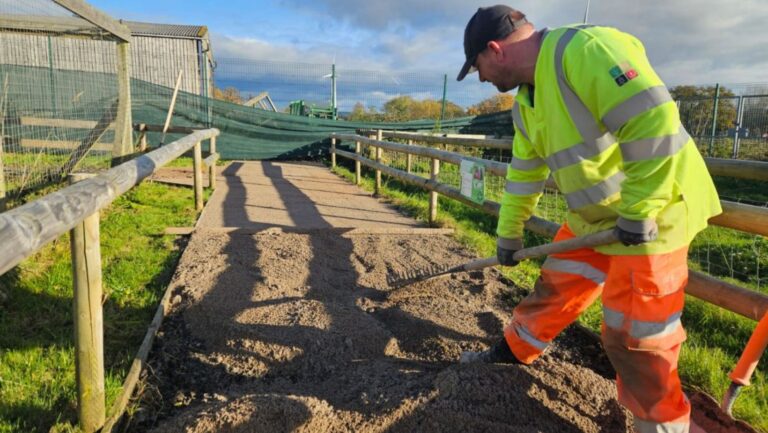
(400, 108)
(696, 105)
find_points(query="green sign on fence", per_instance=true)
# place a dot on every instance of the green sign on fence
(473, 181)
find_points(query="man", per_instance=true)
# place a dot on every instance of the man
(591, 111)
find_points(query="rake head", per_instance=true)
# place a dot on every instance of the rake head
(402, 279)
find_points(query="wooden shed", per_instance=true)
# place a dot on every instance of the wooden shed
(158, 51)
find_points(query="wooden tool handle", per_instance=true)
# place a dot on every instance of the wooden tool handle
(593, 240)
(480, 264)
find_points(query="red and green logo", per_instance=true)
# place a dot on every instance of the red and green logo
(622, 73)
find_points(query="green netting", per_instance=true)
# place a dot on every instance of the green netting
(44, 115)
(253, 133)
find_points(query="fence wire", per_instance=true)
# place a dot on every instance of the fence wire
(54, 89)
(721, 252)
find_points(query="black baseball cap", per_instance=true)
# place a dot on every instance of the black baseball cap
(488, 24)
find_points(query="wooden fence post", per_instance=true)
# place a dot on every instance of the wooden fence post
(379, 137)
(212, 167)
(409, 159)
(433, 195)
(333, 153)
(358, 178)
(198, 176)
(142, 137)
(88, 320)
(123, 123)
(171, 107)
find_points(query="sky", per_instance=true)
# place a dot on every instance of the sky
(691, 41)
(688, 41)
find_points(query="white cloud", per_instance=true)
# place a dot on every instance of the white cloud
(686, 40)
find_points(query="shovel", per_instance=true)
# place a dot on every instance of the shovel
(747, 363)
(401, 280)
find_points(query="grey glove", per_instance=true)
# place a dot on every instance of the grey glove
(505, 251)
(631, 232)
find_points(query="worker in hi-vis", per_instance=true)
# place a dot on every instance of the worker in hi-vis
(591, 112)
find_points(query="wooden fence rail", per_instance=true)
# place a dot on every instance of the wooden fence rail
(744, 217)
(739, 168)
(737, 299)
(26, 229)
(454, 139)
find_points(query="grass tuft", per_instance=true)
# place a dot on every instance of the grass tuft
(37, 367)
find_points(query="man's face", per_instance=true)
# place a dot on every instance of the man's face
(490, 67)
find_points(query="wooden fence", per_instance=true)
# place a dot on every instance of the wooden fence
(26, 229)
(743, 217)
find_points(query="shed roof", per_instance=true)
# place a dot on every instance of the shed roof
(166, 30)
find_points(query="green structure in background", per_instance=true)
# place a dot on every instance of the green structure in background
(301, 108)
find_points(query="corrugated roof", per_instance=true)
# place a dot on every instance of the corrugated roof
(166, 30)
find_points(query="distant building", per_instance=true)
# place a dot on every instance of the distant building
(158, 52)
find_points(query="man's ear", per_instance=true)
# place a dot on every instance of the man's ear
(496, 49)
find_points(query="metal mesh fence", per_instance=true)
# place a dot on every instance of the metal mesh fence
(731, 126)
(54, 89)
(721, 252)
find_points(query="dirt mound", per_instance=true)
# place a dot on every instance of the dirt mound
(289, 332)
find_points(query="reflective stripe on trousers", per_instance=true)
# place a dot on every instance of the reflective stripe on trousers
(643, 299)
(642, 426)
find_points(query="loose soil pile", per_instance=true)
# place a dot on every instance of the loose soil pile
(293, 332)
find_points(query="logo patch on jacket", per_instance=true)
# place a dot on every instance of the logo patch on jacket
(622, 73)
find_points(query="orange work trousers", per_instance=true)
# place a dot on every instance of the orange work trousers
(643, 300)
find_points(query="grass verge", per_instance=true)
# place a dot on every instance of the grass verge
(37, 368)
(716, 337)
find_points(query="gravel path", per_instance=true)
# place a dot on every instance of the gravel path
(290, 329)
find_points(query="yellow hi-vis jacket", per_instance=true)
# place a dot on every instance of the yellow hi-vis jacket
(605, 126)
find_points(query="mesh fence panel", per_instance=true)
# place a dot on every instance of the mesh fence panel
(739, 130)
(54, 89)
(718, 251)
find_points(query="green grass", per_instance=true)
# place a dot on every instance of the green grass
(37, 374)
(716, 337)
(27, 170)
(186, 161)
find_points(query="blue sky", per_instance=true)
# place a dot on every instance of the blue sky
(688, 41)
(699, 41)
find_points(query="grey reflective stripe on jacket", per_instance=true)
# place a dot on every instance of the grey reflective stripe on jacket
(580, 114)
(595, 193)
(524, 188)
(526, 164)
(580, 152)
(656, 147)
(517, 119)
(637, 104)
(595, 140)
